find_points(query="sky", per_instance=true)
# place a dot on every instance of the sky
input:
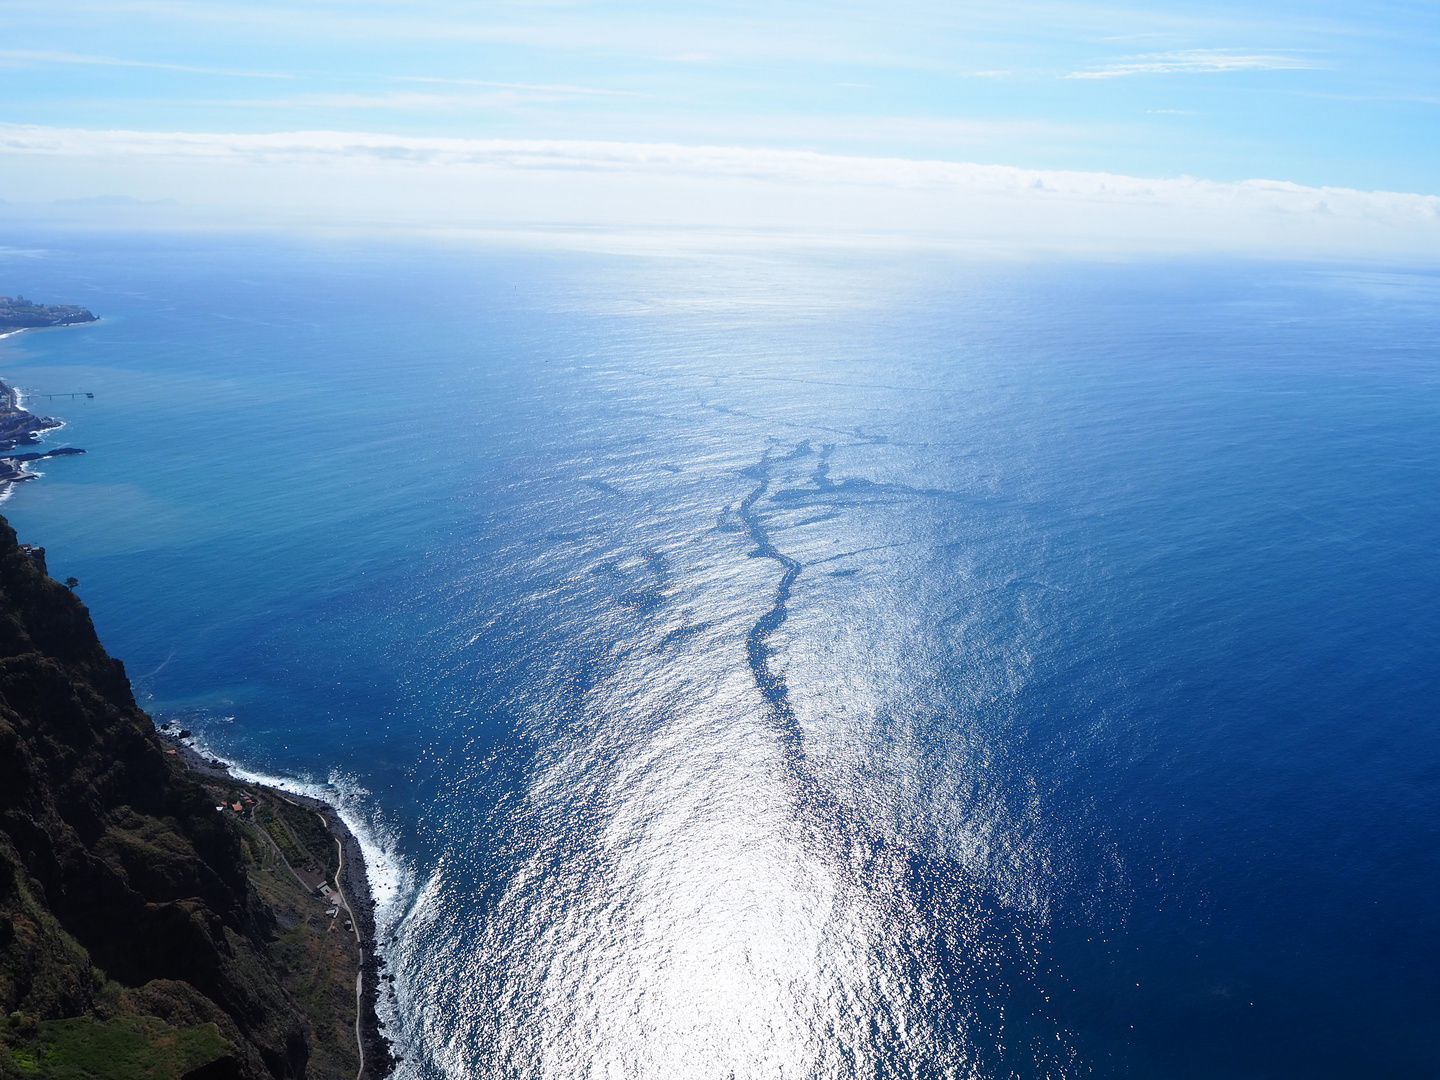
(928, 120)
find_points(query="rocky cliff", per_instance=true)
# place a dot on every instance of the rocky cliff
(131, 935)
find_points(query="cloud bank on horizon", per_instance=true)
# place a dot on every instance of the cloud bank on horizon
(1041, 125)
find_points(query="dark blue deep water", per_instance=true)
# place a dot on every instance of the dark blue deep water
(798, 665)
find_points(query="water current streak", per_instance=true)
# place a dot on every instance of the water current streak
(825, 811)
(772, 685)
(958, 964)
(841, 829)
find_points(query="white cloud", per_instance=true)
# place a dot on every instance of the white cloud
(401, 100)
(378, 180)
(555, 88)
(1191, 61)
(41, 56)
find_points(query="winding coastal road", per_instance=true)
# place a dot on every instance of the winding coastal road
(355, 927)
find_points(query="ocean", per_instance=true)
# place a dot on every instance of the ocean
(796, 663)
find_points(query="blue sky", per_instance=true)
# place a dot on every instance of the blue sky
(1317, 94)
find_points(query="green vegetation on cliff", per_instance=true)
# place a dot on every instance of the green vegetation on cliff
(143, 932)
(124, 1047)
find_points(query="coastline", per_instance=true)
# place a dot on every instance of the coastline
(353, 882)
(20, 427)
(314, 925)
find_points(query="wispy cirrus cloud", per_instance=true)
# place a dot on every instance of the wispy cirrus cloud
(402, 100)
(1190, 61)
(43, 56)
(567, 89)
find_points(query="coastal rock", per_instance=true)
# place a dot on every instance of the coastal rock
(63, 451)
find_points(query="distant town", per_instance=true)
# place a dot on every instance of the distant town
(18, 313)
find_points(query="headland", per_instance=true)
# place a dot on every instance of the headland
(17, 313)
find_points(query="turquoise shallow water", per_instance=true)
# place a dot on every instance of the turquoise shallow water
(797, 665)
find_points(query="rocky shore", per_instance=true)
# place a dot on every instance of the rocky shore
(20, 427)
(354, 885)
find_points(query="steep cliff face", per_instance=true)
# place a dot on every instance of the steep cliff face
(123, 893)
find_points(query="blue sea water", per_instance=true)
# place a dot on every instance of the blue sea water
(797, 664)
